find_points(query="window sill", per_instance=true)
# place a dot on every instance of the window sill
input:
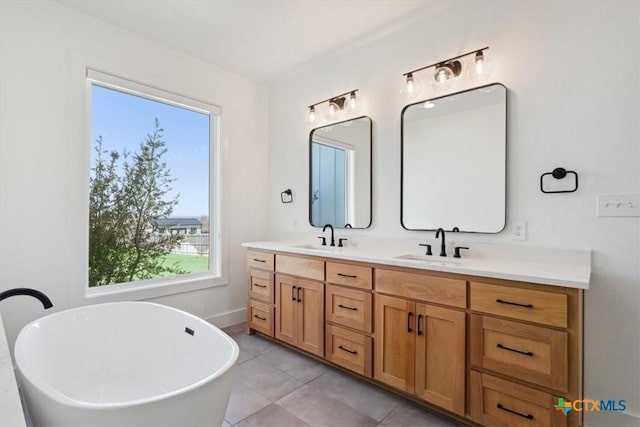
(154, 288)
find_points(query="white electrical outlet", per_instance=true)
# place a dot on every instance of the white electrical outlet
(618, 205)
(519, 230)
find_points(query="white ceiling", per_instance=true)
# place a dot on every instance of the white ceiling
(260, 39)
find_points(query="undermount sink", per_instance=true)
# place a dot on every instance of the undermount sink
(431, 259)
(315, 247)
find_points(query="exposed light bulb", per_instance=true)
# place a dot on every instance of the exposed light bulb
(411, 88)
(353, 104)
(481, 67)
(333, 108)
(312, 114)
(442, 77)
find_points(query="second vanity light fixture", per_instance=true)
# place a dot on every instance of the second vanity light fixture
(445, 71)
(344, 102)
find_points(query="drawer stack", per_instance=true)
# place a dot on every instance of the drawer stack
(348, 314)
(260, 313)
(521, 344)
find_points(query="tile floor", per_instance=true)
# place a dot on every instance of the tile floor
(278, 387)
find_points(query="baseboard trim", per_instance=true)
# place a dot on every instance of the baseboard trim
(229, 318)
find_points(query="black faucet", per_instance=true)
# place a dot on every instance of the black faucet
(333, 242)
(347, 225)
(46, 302)
(442, 247)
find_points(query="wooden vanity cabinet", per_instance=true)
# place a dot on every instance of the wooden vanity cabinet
(349, 317)
(420, 347)
(525, 349)
(299, 306)
(260, 307)
(490, 352)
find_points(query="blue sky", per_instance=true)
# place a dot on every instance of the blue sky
(124, 121)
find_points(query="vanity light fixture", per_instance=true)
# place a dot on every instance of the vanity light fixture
(344, 102)
(445, 71)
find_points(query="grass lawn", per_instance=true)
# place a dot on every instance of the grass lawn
(189, 263)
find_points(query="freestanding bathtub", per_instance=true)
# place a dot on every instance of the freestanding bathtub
(125, 364)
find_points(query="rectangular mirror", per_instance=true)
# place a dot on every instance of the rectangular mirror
(453, 161)
(340, 174)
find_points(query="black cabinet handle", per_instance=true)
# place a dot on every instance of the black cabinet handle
(260, 286)
(299, 294)
(419, 320)
(526, 353)
(347, 307)
(514, 303)
(258, 317)
(409, 322)
(347, 350)
(511, 411)
(259, 260)
(293, 293)
(347, 275)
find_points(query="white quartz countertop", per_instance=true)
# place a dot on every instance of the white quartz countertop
(10, 407)
(548, 266)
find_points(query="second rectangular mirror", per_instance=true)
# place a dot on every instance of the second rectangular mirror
(340, 174)
(454, 161)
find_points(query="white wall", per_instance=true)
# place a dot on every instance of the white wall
(572, 73)
(44, 154)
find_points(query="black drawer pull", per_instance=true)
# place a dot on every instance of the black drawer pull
(514, 303)
(347, 350)
(526, 353)
(293, 293)
(419, 320)
(347, 307)
(299, 294)
(409, 322)
(258, 317)
(260, 286)
(347, 275)
(259, 260)
(511, 411)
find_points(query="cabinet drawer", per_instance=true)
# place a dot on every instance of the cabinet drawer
(262, 260)
(348, 307)
(301, 267)
(531, 353)
(349, 349)
(496, 402)
(423, 287)
(261, 317)
(261, 285)
(549, 308)
(349, 275)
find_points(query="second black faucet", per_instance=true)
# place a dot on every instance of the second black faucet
(333, 242)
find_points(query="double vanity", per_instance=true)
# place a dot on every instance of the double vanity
(488, 339)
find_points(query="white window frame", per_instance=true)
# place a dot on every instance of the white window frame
(217, 274)
(350, 178)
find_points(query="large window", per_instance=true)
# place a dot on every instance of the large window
(153, 208)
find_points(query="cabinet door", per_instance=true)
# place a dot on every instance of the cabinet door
(310, 295)
(286, 309)
(440, 356)
(394, 342)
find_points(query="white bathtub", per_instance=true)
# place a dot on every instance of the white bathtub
(125, 364)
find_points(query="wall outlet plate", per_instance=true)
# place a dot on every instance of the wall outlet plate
(618, 205)
(519, 230)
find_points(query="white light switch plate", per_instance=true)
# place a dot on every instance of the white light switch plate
(618, 205)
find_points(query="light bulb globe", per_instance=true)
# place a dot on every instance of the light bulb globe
(480, 68)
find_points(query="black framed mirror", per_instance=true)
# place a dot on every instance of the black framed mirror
(453, 161)
(340, 171)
